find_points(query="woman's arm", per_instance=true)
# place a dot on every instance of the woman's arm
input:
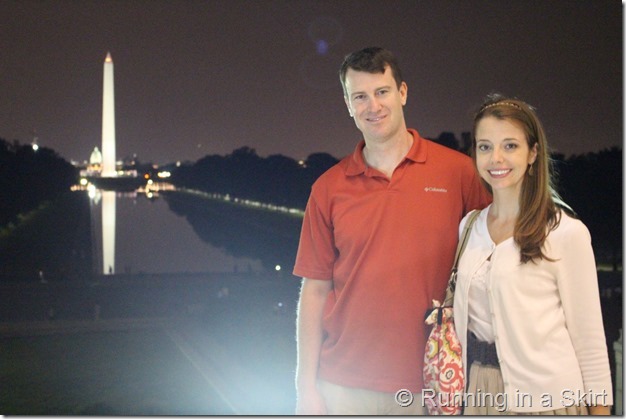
(580, 298)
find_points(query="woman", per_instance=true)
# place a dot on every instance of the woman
(527, 306)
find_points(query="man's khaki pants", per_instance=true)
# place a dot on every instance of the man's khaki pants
(342, 400)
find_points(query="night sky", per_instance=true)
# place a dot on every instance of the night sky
(206, 77)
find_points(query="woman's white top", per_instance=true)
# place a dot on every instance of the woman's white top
(546, 317)
(479, 312)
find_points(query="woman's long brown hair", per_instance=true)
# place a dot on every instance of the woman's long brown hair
(539, 203)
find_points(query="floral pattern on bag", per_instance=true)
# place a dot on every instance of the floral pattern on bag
(443, 364)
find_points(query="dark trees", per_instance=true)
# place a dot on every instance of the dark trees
(592, 184)
(29, 177)
(276, 179)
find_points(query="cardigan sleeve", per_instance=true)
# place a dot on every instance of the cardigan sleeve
(578, 287)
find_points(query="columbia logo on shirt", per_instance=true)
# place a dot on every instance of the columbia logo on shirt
(434, 189)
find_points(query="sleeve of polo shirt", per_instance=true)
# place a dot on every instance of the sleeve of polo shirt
(578, 288)
(316, 251)
(475, 195)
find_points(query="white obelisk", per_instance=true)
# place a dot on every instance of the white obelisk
(108, 168)
(108, 120)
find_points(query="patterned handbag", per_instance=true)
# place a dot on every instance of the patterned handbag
(444, 380)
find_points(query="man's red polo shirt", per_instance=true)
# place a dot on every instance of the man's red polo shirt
(388, 246)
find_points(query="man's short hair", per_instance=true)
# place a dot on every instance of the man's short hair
(371, 60)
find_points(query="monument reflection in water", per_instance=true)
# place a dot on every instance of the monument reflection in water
(102, 230)
(136, 232)
(108, 232)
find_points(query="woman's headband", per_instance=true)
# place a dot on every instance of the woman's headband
(492, 105)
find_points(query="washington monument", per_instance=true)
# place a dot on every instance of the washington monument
(108, 120)
(108, 168)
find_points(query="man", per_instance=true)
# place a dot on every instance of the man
(377, 244)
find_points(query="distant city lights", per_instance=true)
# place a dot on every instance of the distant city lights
(247, 202)
(92, 191)
(152, 187)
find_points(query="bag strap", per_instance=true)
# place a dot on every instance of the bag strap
(459, 251)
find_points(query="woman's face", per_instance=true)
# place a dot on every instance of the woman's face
(502, 153)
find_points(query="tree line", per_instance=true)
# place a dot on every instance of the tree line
(30, 177)
(590, 183)
(275, 179)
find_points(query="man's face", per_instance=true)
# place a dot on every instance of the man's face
(375, 102)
